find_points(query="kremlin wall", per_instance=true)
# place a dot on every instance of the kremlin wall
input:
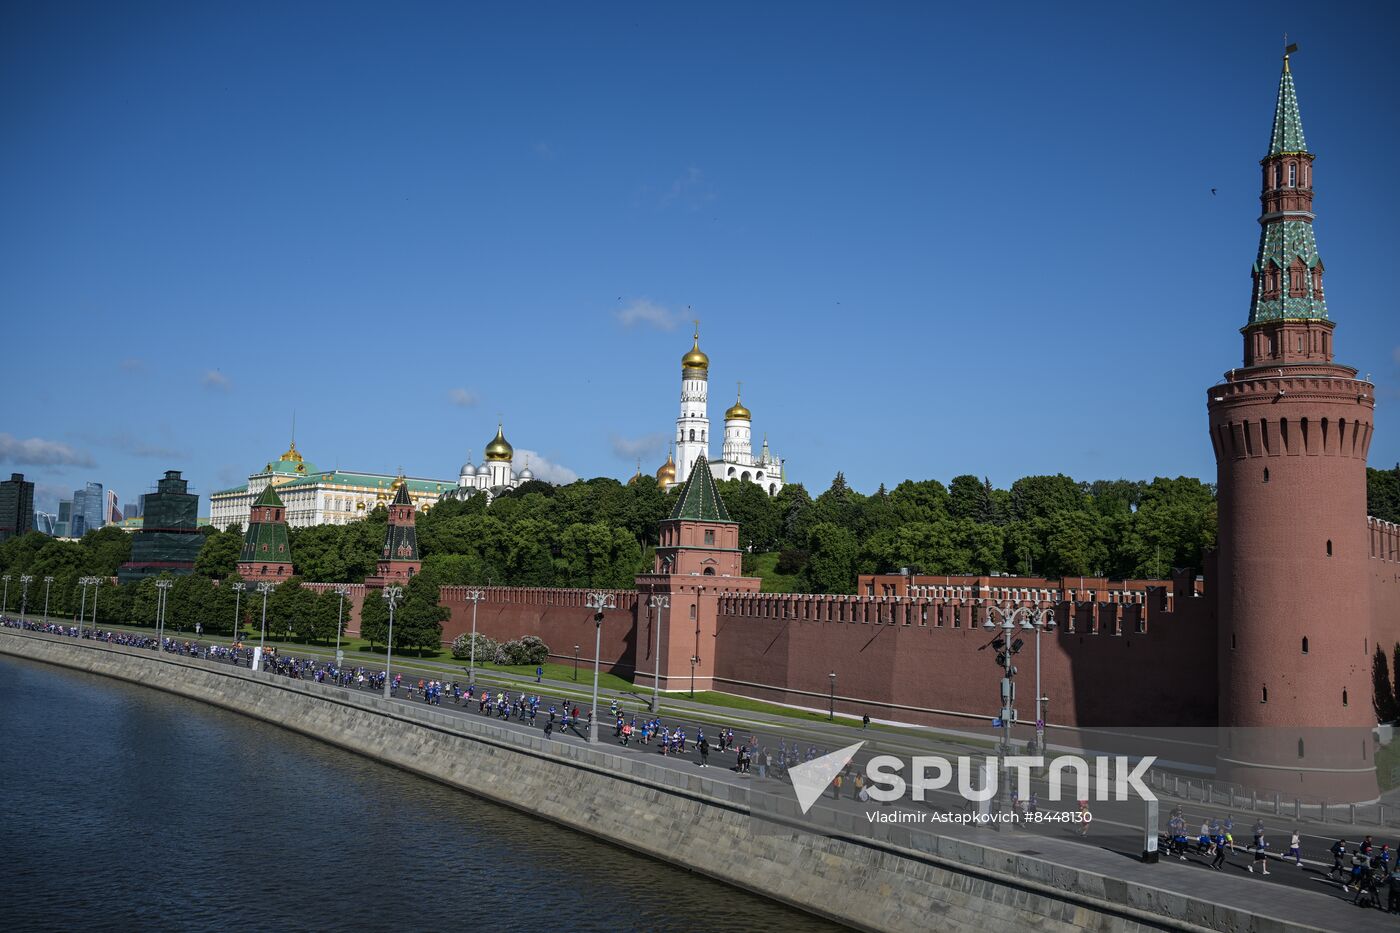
(1273, 638)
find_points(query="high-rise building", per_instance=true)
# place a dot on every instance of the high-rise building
(111, 512)
(169, 539)
(89, 505)
(131, 510)
(63, 525)
(44, 522)
(1290, 431)
(16, 506)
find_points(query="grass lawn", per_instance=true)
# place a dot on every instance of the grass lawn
(1388, 764)
(773, 582)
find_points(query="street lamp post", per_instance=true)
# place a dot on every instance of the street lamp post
(265, 589)
(82, 606)
(162, 594)
(96, 582)
(1007, 646)
(24, 581)
(5, 605)
(694, 660)
(391, 596)
(575, 663)
(342, 591)
(831, 711)
(658, 603)
(597, 601)
(475, 596)
(238, 589)
(48, 582)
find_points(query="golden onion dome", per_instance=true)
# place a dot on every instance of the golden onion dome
(696, 358)
(667, 473)
(291, 456)
(499, 449)
(636, 477)
(737, 411)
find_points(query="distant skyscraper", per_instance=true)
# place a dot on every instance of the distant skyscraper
(131, 510)
(63, 525)
(88, 507)
(111, 512)
(44, 522)
(16, 506)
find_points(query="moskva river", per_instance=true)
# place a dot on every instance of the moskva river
(129, 809)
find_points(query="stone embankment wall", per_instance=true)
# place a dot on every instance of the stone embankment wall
(910, 880)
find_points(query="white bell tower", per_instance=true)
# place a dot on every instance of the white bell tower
(693, 425)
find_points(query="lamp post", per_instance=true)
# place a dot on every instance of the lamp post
(597, 601)
(658, 603)
(342, 591)
(163, 589)
(694, 660)
(1007, 646)
(48, 582)
(96, 582)
(82, 607)
(265, 589)
(475, 596)
(5, 605)
(576, 663)
(24, 581)
(391, 596)
(238, 590)
(831, 711)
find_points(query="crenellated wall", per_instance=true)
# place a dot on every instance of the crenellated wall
(561, 617)
(1384, 565)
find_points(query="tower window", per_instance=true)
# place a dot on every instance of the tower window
(1329, 547)
(1305, 644)
(1278, 174)
(1263, 694)
(1266, 474)
(1300, 748)
(692, 434)
(709, 536)
(1344, 697)
(1232, 641)
(1292, 174)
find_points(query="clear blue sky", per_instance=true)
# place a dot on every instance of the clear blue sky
(931, 239)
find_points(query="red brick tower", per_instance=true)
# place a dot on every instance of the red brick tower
(1290, 431)
(697, 560)
(399, 561)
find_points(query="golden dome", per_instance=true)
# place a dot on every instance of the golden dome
(500, 449)
(737, 410)
(667, 473)
(696, 358)
(291, 455)
(636, 477)
(394, 486)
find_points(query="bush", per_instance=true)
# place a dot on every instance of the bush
(486, 648)
(522, 651)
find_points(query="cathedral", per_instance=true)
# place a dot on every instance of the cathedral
(692, 439)
(495, 475)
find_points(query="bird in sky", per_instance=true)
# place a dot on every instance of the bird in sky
(1212, 191)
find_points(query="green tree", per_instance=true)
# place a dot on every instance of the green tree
(831, 563)
(969, 498)
(1383, 493)
(1383, 691)
(921, 501)
(758, 515)
(1035, 497)
(597, 555)
(1075, 546)
(219, 556)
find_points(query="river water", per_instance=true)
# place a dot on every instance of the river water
(125, 808)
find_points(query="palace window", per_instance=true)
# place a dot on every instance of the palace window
(709, 536)
(1278, 176)
(1292, 174)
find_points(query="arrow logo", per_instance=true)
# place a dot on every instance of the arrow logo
(811, 778)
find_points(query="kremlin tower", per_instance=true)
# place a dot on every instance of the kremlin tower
(399, 561)
(266, 550)
(1290, 431)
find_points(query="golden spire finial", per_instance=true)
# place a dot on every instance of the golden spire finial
(1288, 49)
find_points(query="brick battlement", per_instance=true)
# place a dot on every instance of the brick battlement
(1242, 437)
(536, 596)
(1385, 539)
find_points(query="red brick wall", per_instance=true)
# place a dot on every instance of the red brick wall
(1384, 564)
(353, 601)
(558, 616)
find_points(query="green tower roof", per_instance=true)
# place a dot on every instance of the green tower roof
(268, 497)
(700, 501)
(1287, 134)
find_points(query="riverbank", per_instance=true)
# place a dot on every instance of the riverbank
(908, 879)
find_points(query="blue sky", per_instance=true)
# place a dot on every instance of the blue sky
(930, 239)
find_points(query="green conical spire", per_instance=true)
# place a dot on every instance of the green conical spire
(700, 501)
(1287, 134)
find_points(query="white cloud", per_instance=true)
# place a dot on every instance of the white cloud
(646, 446)
(1396, 354)
(645, 311)
(132, 365)
(462, 398)
(215, 381)
(137, 447)
(543, 468)
(37, 451)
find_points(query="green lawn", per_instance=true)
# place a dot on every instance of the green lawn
(1388, 764)
(773, 582)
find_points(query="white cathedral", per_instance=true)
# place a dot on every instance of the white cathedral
(495, 475)
(693, 435)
